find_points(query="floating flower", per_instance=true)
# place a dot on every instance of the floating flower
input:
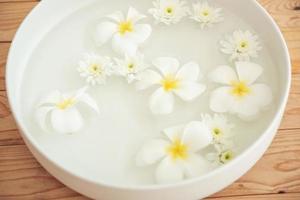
(181, 82)
(220, 129)
(206, 15)
(177, 154)
(95, 68)
(169, 11)
(240, 95)
(241, 46)
(221, 157)
(130, 67)
(61, 111)
(126, 32)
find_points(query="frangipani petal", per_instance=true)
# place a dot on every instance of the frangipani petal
(262, 94)
(141, 33)
(221, 100)
(189, 72)
(123, 45)
(188, 90)
(41, 116)
(248, 72)
(152, 152)
(161, 102)
(174, 133)
(195, 165)
(169, 171)
(89, 101)
(196, 136)
(66, 121)
(147, 78)
(117, 16)
(134, 15)
(104, 32)
(52, 98)
(168, 66)
(223, 74)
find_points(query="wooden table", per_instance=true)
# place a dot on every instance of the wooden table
(276, 176)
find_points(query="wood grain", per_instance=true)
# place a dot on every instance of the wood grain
(275, 176)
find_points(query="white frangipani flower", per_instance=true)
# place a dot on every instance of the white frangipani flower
(130, 67)
(174, 80)
(169, 11)
(95, 68)
(205, 14)
(240, 94)
(60, 113)
(220, 129)
(126, 32)
(242, 46)
(177, 154)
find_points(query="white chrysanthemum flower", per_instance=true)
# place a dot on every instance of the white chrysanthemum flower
(169, 11)
(95, 68)
(182, 82)
(220, 157)
(220, 129)
(177, 154)
(240, 95)
(205, 14)
(241, 46)
(130, 67)
(60, 113)
(126, 32)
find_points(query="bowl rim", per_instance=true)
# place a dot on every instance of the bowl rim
(27, 137)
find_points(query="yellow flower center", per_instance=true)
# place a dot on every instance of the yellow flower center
(217, 132)
(95, 69)
(169, 10)
(170, 83)
(240, 88)
(177, 150)
(125, 27)
(130, 66)
(226, 156)
(64, 104)
(244, 44)
(205, 13)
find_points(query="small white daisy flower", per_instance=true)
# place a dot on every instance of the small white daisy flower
(126, 32)
(220, 157)
(59, 112)
(220, 129)
(242, 46)
(182, 82)
(176, 153)
(130, 67)
(240, 94)
(169, 11)
(95, 68)
(205, 14)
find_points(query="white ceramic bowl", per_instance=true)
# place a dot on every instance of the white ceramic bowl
(48, 13)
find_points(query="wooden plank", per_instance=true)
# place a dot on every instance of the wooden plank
(289, 196)
(11, 15)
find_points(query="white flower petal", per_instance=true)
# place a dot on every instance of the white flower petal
(134, 15)
(223, 74)
(161, 102)
(104, 32)
(195, 165)
(117, 16)
(152, 152)
(89, 101)
(51, 99)
(189, 72)
(188, 90)
(169, 171)
(221, 100)
(167, 66)
(196, 136)
(41, 116)
(248, 72)
(66, 121)
(174, 133)
(124, 45)
(141, 33)
(262, 94)
(147, 78)
(245, 108)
